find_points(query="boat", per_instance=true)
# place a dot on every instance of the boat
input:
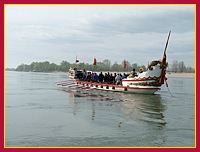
(143, 82)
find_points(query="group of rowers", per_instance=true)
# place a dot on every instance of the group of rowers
(108, 77)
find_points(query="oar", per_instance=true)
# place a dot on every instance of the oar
(167, 86)
(64, 83)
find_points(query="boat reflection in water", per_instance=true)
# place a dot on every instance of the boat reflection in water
(120, 107)
(146, 108)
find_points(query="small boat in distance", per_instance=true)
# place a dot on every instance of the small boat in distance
(143, 82)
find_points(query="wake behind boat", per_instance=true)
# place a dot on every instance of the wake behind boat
(143, 82)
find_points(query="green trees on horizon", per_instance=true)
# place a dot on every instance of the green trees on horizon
(43, 67)
(105, 65)
(64, 66)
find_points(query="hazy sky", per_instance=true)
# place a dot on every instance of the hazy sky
(137, 33)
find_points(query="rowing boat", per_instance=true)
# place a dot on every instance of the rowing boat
(144, 82)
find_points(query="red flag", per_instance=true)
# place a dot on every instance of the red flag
(95, 61)
(124, 64)
(77, 60)
(164, 58)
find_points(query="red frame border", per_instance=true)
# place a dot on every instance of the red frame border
(2, 80)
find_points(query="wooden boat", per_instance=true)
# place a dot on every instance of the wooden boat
(144, 82)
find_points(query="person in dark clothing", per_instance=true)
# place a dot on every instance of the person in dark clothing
(115, 74)
(111, 79)
(101, 77)
(106, 78)
(89, 76)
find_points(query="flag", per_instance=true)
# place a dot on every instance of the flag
(77, 60)
(164, 58)
(95, 61)
(124, 64)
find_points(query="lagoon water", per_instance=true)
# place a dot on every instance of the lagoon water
(39, 114)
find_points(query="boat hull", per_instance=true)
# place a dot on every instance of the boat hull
(84, 85)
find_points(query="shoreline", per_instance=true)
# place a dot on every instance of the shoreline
(180, 75)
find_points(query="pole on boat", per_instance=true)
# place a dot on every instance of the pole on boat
(167, 42)
(163, 72)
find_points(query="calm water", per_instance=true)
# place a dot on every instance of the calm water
(38, 114)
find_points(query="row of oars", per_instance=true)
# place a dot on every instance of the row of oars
(70, 85)
(73, 85)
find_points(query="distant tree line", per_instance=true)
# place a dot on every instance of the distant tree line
(44, 67)
(64, 66)
(105, 65)
(179, 66)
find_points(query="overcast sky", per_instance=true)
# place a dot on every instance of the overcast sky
(137, 33)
